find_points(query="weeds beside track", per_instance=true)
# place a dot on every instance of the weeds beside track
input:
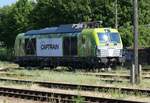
(82, 86)
(56, 97)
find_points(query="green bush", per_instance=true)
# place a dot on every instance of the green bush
(6, 54)
(127, 36)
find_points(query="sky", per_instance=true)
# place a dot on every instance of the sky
(6, 2)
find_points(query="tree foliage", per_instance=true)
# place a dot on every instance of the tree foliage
(14, 20)
(55, 12)
(27, 14)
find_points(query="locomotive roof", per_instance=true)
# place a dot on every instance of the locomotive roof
(69, 28)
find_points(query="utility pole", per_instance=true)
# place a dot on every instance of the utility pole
(135, 21)
(116, 14)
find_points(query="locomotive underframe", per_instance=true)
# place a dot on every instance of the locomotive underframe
(75, 62)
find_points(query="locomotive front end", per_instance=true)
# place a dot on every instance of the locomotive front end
(110, 46)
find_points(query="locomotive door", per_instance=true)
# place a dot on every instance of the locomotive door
(70, 46)
(30, 46)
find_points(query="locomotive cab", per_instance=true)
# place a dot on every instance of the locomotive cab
(109, 46)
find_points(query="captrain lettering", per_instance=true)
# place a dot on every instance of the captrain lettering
(49, 46)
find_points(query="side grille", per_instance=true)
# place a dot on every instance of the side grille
(103, 52)
(117, 52)
(109, 53)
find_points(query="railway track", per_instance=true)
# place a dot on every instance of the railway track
(14, 74)
(56, 97)
(103, 75)
(24, 75)
(124, 75)
(123, 72)
(114, 80)
(86, 87)
(108, 75)
(67, 97)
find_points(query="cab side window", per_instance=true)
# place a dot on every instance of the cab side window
(30, 46)
(83, 40)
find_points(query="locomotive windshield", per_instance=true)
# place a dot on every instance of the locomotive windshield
(114, 37)
(103, 37)
(109, 37)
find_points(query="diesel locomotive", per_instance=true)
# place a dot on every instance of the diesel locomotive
(72, 45)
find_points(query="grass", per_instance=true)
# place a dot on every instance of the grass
(79, 99)
(7, 65)
(15, 84)
(68, 77)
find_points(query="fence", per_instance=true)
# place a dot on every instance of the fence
(144, 55)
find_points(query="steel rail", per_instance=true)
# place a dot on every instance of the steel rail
(124, 76)
(57, 97)
(13, 74)
(113, 80)
(117, 72)
(87, 87)
(108, 75)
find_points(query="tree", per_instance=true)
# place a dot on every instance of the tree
(15, 21)
(55, 12)
(4, 24)
(26, 15)
(144, 12)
